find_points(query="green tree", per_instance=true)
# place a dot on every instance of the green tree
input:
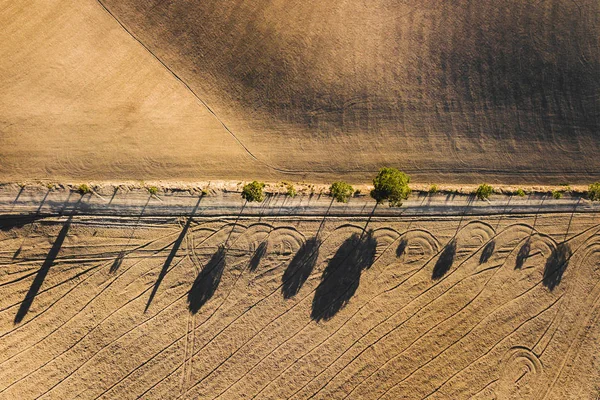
(557, 194)
(291, 190)
(341, 191)
(520, 192)
(594, 191)
(484, 191)
(253, 191)
(84, 189)
(391, 185)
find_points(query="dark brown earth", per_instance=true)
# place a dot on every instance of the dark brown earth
(503, 90)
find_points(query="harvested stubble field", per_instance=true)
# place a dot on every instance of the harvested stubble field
(277, 307)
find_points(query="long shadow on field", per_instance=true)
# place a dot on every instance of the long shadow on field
(341, 277)
(18, 221)
(445, 261)
(401, 249)
(206, 283)
(303, 262)
(259, 253)
(172, 254)
(556, 265)
(300, 268)
(523, 254)
(487, 252)
(41, 275)
(119, 260)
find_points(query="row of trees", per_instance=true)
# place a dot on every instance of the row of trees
(389, 185)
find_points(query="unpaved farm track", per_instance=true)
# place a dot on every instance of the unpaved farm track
(500, 306)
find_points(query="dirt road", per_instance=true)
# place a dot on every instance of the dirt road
(140, 202)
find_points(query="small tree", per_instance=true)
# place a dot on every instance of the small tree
(391, 185)
(291, 190)
(433, 189)
(153, 190)
(253, 191)
(484, 191)
(594, 191)
(84, 189)
(341, 191)
(557, 194)
(520, 192)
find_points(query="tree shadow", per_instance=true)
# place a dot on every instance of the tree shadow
(117, 263)
(300, 268)
(259, 253)
(523, 254)
(119, 260)
(41, 275)
(556, 265)
(487, 252)
(14, 202)
(401, 247)
(18, 221)
(206, 283)
(571, 218)
(445, 261)
(341, 277)
(303, 263)
(172, 254)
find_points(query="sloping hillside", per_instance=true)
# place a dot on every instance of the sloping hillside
(504, 89)
(308, 90)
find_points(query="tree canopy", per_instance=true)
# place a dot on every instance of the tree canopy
(594, 191)
(253, 191)
(391, 185)
(484, 191)
(341, 191)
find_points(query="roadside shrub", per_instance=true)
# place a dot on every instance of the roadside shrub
(520, 192)
(594, 191)
(341, 191)
(433, 189)
(253, 191)
(291, 190)
(84, 189)
(391, 185)
(557, 194)
(484, 191)
(153, 190)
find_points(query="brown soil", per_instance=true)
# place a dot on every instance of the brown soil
(79, 98)
(501, 307)
(447, 91)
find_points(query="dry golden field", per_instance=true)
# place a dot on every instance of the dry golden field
(275, 307)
